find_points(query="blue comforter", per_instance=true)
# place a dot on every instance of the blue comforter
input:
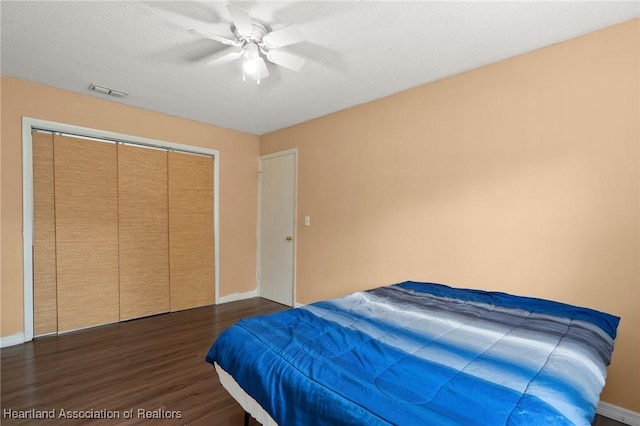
(423, 354)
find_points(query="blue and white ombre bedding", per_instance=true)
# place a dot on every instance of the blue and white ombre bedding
(423, 354)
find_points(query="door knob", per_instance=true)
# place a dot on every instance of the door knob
(288, 238)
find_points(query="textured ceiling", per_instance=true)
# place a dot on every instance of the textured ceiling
(356, 51)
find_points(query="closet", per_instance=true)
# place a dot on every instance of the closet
(120, 232)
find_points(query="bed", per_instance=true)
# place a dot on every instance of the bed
(419, 354)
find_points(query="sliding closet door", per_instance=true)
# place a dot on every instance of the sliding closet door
(45, 314)
(144, 231)
(86, 203)
(191, 244)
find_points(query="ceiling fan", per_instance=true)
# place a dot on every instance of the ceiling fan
(253, 41)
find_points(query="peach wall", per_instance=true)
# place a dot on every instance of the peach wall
(522, 176)
(238, 169)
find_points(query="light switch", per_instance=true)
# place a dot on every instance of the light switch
(307, 221)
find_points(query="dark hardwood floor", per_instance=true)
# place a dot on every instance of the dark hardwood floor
(153, 364)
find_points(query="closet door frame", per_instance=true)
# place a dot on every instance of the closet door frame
(28, 125)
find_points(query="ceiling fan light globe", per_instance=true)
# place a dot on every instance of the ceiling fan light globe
(250, 66)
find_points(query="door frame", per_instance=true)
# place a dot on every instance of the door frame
(29, 124)
(294, 152)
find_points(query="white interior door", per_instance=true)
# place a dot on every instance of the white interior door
(277, 227)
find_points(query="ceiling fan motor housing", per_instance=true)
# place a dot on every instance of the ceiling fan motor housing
(260, 29)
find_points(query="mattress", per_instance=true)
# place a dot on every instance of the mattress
(248, 404)
(422, 353)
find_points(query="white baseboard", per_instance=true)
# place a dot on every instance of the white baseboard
(620, 414)
(12, 340)
(298, 305)
(237, 296)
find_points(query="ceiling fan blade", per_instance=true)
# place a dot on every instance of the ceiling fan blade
(286, 59)
(262, 71)
(283, 36)
(217, 38)
(225, 56)
(241, 20)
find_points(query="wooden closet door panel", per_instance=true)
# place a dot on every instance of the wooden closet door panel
(86, 193)
(45, 311)
(144, 231)
(191, 243)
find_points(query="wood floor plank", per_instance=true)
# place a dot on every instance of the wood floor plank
(153, 363)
